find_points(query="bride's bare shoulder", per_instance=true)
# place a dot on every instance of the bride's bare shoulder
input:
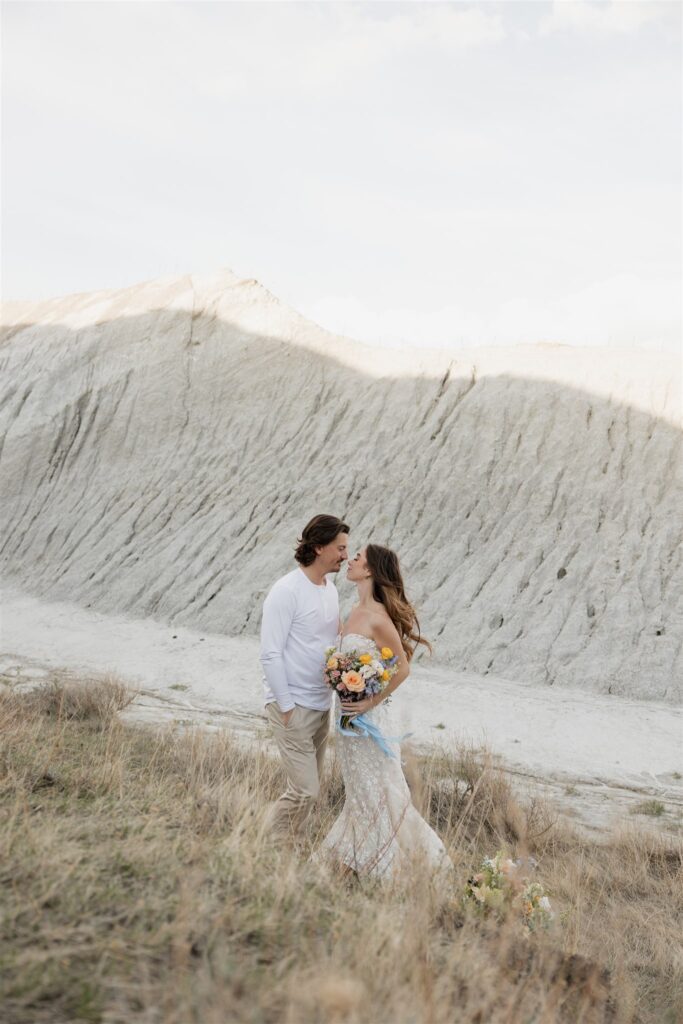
(380, 619)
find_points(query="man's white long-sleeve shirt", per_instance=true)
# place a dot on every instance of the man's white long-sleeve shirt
(300, 619)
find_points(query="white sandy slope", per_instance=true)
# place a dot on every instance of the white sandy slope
(162, 446)
(595, 756)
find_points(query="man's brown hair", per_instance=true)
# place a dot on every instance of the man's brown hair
(321, 530)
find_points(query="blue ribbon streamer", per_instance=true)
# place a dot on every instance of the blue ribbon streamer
(368, 728)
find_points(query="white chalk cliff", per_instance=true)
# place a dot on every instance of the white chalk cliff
(162, 445)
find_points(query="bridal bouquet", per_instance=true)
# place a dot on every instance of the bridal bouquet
(499, 884)
(355, 676)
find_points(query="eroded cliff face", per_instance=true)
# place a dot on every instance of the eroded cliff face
(162, 447)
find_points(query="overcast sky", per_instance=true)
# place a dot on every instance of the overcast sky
(439, 173)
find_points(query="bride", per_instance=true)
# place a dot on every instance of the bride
(379, 829)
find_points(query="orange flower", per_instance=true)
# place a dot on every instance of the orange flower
(353, 681)
(385, 676)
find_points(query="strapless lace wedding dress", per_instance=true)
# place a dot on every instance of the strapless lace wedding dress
(379, 828)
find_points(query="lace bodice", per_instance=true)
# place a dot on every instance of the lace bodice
(366, 643)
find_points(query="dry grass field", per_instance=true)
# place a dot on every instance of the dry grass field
(138, 886)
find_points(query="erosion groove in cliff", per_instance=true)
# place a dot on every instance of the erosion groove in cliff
(161, 447)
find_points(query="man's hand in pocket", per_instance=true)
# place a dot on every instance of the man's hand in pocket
(286, 715)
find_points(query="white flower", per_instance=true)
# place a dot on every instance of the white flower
(544, 903)
(367, 671)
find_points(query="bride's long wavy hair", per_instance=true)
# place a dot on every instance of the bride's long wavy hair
(388, 588)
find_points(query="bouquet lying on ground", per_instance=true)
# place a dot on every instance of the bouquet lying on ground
(356, 676)
(501, 883)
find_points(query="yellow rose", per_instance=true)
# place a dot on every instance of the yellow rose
(385, 676)
(387, 653)
(365, 659)
(353, 681)
(332, 663)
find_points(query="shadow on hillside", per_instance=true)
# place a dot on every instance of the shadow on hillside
(163, 465)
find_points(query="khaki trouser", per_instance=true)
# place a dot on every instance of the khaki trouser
(302, 744)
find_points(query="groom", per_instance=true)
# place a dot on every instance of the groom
(300, 619)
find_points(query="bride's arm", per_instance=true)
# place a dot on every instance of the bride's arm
(385, 634)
